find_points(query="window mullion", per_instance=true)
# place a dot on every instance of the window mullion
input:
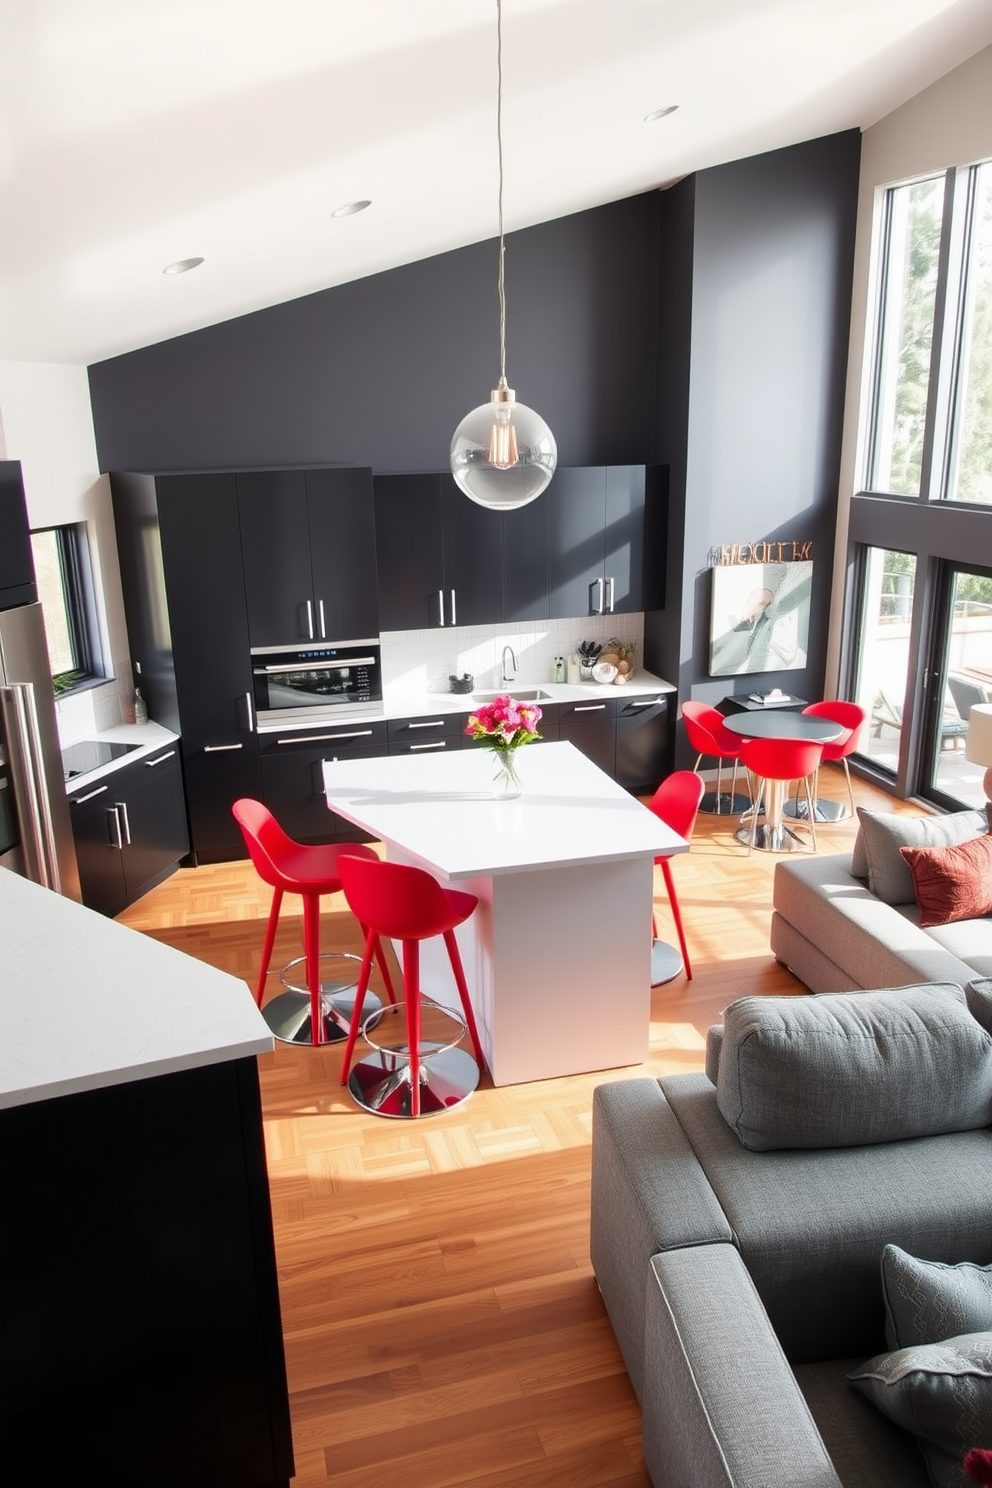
(933, 472)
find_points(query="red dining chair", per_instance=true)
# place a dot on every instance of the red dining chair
(675, 802)
(708, 735)
(407, 1077)
(776, 762)
(850, 716)
(291, 867)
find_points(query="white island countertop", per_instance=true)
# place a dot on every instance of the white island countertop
(86, 1003)
(441, 809)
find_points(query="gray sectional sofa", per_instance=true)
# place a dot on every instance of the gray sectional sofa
(740, 1219)
(851, 921)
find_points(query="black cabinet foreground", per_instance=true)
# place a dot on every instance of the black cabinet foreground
(142, 1343)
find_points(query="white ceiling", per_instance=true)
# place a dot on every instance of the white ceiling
(137, 132)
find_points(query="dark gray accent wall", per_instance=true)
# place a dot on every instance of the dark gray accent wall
(757, 261)
(380, 371)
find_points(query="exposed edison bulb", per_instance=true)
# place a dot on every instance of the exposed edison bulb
(503, 454)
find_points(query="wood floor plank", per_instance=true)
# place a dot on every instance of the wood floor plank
(442, 1323)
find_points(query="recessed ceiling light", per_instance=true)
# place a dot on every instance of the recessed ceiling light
(182, 266)
(350, 208)
(661, 113)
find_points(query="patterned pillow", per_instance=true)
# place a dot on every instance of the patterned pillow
(926, 1301)
(941, 1393)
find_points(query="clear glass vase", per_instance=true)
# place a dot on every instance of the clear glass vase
(506, 781)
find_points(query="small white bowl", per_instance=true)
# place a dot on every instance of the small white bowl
(604, 671)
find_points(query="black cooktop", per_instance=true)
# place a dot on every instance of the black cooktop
(91, 754)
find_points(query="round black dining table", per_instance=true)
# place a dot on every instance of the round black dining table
(774, 835)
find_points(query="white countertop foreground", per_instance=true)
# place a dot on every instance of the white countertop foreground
(440, 809)
(86, 1003)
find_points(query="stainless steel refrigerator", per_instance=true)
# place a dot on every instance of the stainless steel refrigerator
(35, 827)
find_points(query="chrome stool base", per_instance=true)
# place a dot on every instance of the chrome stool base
(826, 811)
(773, 839)
(666, 962)
(382, 1083)
(724, 804)
(288, 1014)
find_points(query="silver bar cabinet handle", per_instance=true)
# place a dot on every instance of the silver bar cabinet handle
(121, 806)
(598, 608)
(609, 602)
(324, 738)
(251, 713)
(440, 607)
(310, 617)
(590, 707)
(320, 615)
(78, 800)
(150, 764)
(119, 844)
(454, 612)
(220, 748)
(434, 723)
(436, 744)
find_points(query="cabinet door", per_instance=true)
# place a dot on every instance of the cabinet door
(526, 560)
(423, 735)
(577, 518)
(644, 742)
(155, 833)
(275, 547)
(98, 853)
(17, 584)
(293, 779)
(473, 558)
(217, 775)
(342, 554)
(591, 728)
(410, 552)
(201, 552)
(623, 559)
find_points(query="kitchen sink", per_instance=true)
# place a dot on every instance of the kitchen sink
(522, 694)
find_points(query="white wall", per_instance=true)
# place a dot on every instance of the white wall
(949, 123)
(46, 423)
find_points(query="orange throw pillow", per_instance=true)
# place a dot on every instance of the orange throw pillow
(952, 883)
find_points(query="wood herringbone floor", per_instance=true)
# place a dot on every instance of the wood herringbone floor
(441, 1319)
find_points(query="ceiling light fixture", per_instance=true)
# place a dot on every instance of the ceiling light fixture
(182, 265)
(350, 208)
(502, 454)
(661, 113)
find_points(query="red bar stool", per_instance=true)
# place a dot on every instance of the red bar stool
(777, 762)
(675, 802)
(318, 1013)
(415, 1068)
(707, 735)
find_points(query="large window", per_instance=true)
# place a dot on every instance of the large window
(961, 669)
(930, 419)
(65, 588)
(888, 581)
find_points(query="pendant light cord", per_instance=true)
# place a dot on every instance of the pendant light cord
(501, 284)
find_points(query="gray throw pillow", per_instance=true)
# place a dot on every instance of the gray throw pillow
(882, 834)
(941, 1392)
(926, 1301)
(843, 1071)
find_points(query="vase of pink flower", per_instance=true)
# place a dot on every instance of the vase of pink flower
(503, 726)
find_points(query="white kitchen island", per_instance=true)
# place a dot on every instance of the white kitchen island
(557, 956)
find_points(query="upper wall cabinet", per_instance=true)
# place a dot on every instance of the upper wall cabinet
(308, 544)
(598, 550)
(440, 555)
(17, 585)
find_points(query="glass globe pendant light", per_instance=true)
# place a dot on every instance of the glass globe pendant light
(502, 454)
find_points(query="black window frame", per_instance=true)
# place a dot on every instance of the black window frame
(79, 606)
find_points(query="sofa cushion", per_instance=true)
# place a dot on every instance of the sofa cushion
(926, 1301)
(843, 1071)
(940, 1392)
(951, 883)
(882, 834)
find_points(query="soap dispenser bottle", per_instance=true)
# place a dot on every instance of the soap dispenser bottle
(140, 707)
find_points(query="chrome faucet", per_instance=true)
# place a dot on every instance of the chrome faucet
(513, 659)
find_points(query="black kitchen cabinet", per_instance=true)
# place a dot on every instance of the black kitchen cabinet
(644, 741)
(293, 782)
(308, 548)
(217, 775)
(526, 561)
(17, 581)
(597, 519)
(146, 1300)
(590, 725)
(440, 555)
(129, 827)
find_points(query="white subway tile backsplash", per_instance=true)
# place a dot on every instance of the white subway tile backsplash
(418, 661)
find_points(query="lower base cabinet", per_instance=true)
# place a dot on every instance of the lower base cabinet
(129, 829)
(293, 779)
(644, 742)
(142, 1342)
(217, 775)
(590, 726)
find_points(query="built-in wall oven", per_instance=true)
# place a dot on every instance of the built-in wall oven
(298, 686)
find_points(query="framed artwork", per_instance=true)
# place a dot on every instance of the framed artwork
(759, 618)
